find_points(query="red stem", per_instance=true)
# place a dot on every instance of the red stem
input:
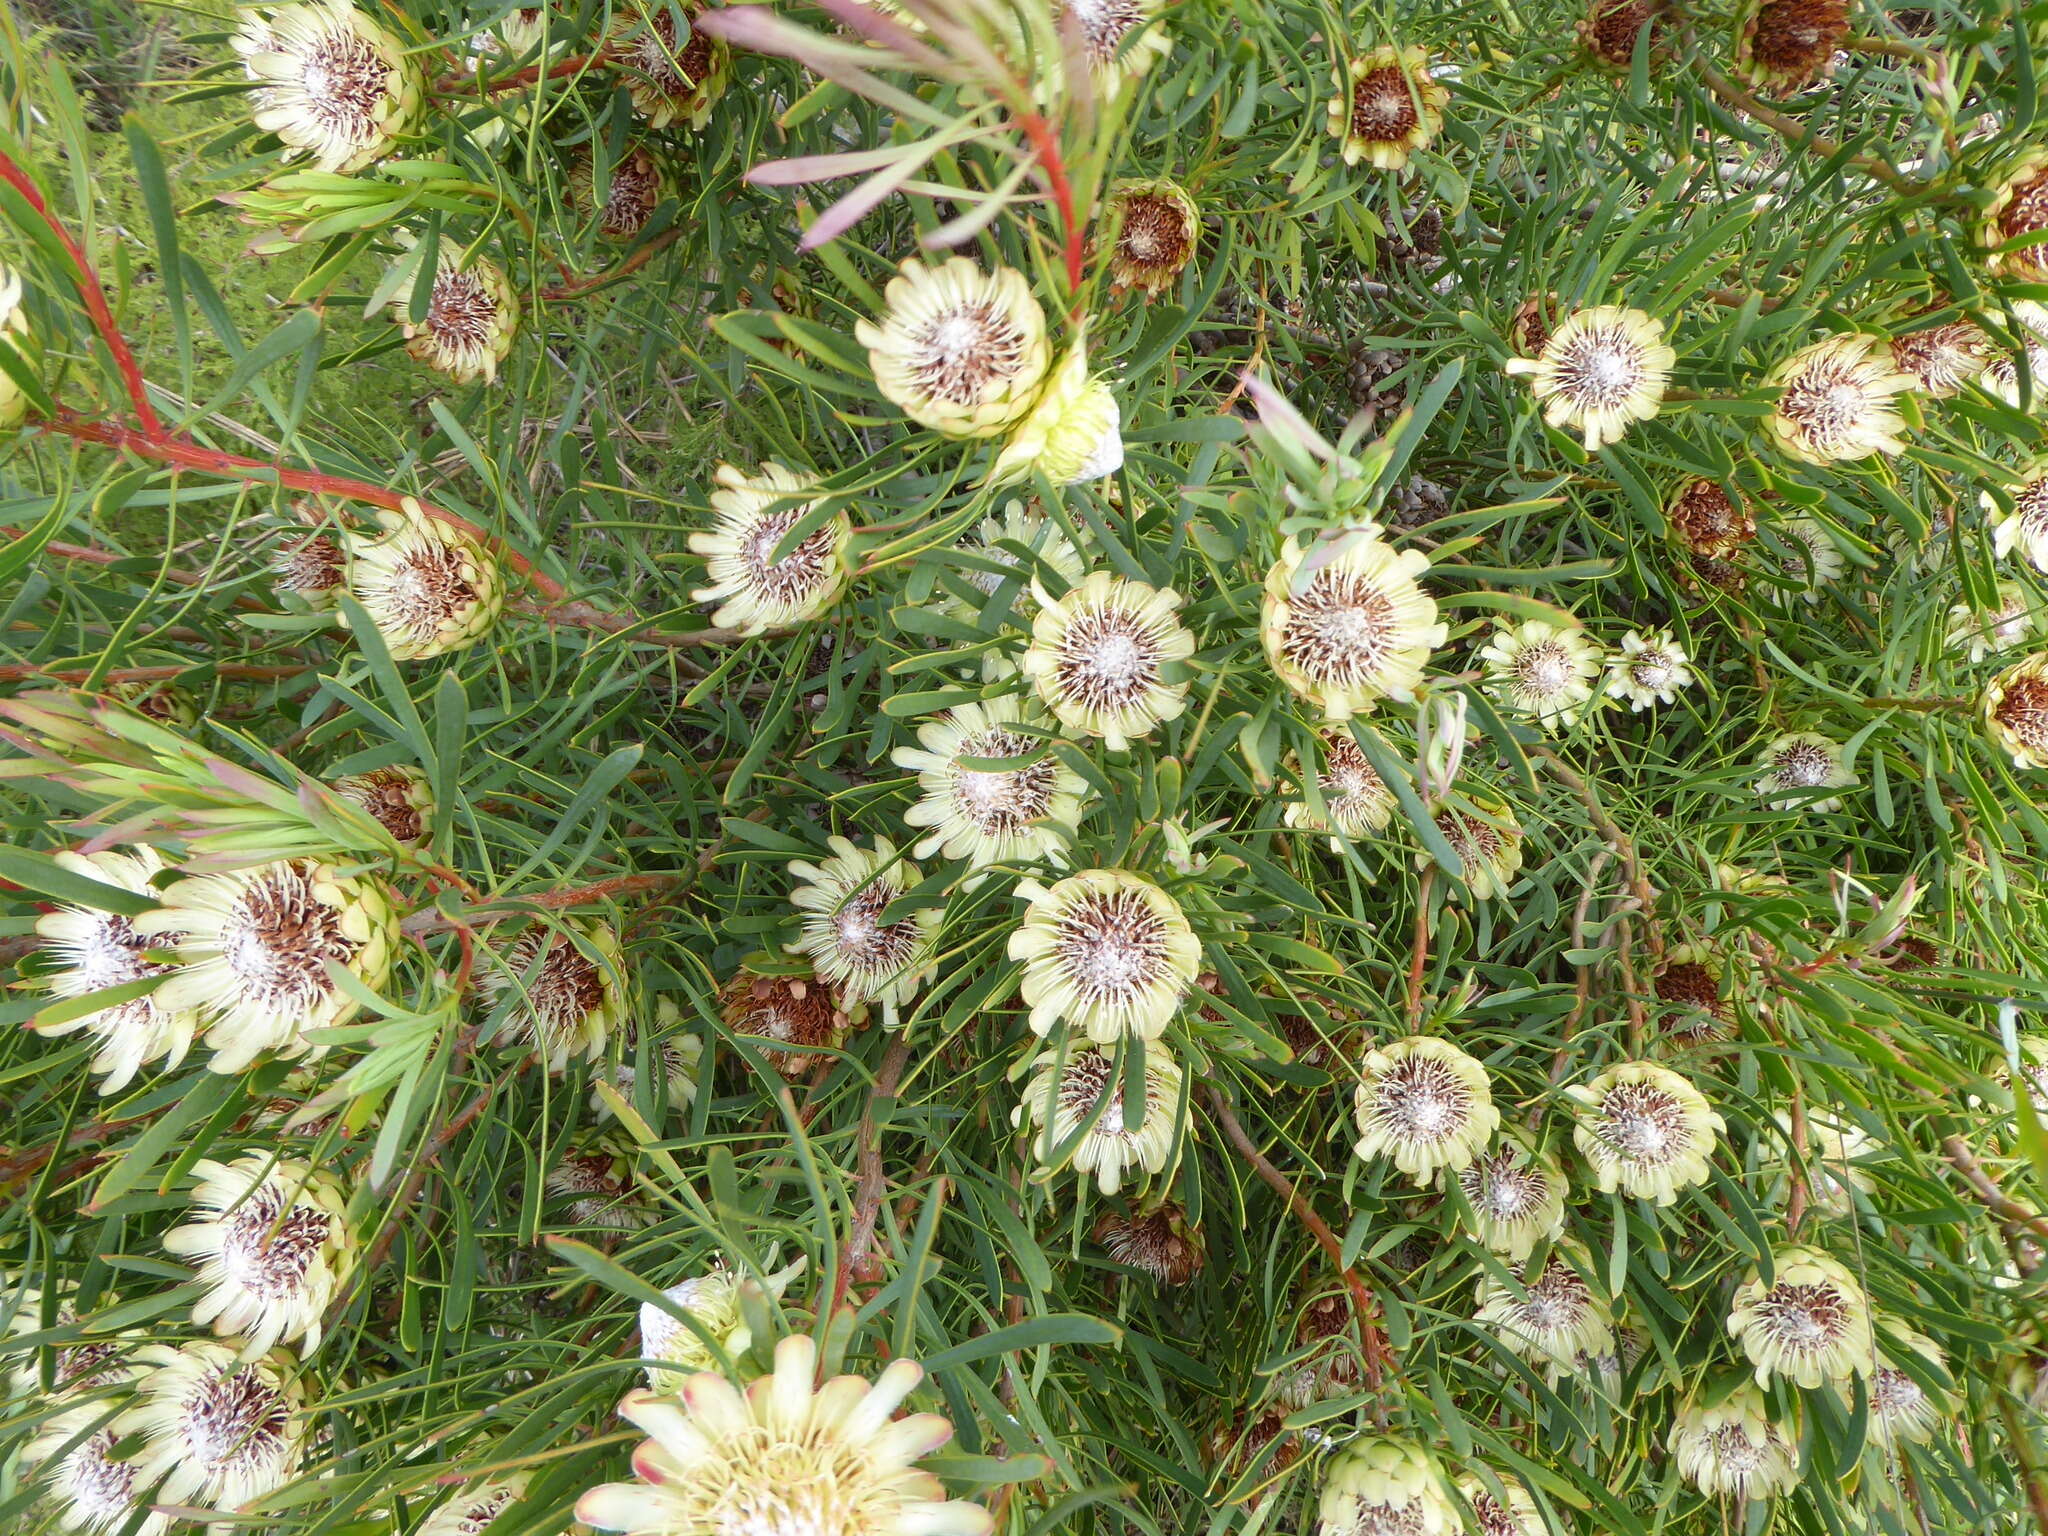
(1047, 145)
(93, 292)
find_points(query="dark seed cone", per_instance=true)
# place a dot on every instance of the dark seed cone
(1161, 1243)
(1238, 1444)
(1710, 520)
(1424, 245)
(788, 1010)
(1530, 327)
(1609, 30)
(1786, 43)
(1367, 374)
(1698, 1011)
(1416, 501)
(1914, 953)
(1721, 575)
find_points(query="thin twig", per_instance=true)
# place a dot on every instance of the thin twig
(873, 1183)
(1799, 136)
(1959, 1157)
(500, 908)
(1418, 949)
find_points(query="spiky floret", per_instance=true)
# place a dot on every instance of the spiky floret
(1072, 1084)
(1799, 762)
(1345, 623)
(712, 1301)
(756, 589)
(1488, 842)
(1072, 434)
(1979, 632)
(1645, 1131)
(1648, 669)
(471, 317)
(989, 814)
(1388, 105)
(861, 957)
(428, 586)
(273, 1245)
(475, 1509)
(398, 797)
(331, 84)
(1941, 359)
(798, 1012)
(1552, 1316)
(253, 948)
(634, 189)
(1516, 1195)
(2019, 514)
(1161, 1242)
(675, 71)
(1836, 401)
(1106, 657)
(2004, 376)
(958, 350)
(2016, 219)
(784, 1456)
(1425, 1105)
(1732, 1447)
(219, 1432)
(1107, 951)
(1356, 800)
(1158, 228)
(1383, 1485)
(1600, 370)
(1809, 1322)
(2016, 711)
(1501, 1505)
(565, 983)
(92, 951)
(1909, 1390)
(1541, 670)
(93, 1489)
(312, 568)
(1784, 44)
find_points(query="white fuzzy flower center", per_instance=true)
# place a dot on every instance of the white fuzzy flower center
(1642, 1124)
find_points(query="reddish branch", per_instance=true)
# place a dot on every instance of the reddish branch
(429, 921)
(1046, 143)
(235, 670)
(873, 1183)
(577, 287)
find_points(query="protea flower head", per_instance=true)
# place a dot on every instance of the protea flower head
(1120, 39)
(2016, 219)
(595, 1180)
(1105, 658)
(165, 703)
(1073, 1085)
(1425, 1105)
(1552, 1315)
(472, 315)
(675, 72)
(1488, 842)
(1783, 44)
(1379, 1484)
(1835, 401)
(1710, 520)
(784, 1456)
(1345, 623)
(86, 1364)
(1072, 434)
(428, 586)
(712, 1299)
(1609, 29)
(1024, 814)
(676, 1054)
(92, 1489)
(1645, 1131)
(254, 946)
(1909, 1396)
(1692, 984)
(398, 797)
(1542, 671)
(1648, 669)
(1356, 800)
(92, 951)
(474, 1509)
(1941, 359)
(1161, 1242)
(15, 333)
(958, 350)
(1600, 369)
(1733, 1448)
(797, 1012)
(1980, 632)
(566, 985)
(2019, 516)
(632, 192)
(861, 957)
(331, 84)
(1799, 762)
(1158, 228)
(2003, 377)
(220, 1432)
(312, 568)
(2016, 711)
(1516, 1194)
(1030, 530)
(1388, 105)
(273, 1245)
(1105, 950)
(1812, 559)
(1809, 1322)
(756, 589)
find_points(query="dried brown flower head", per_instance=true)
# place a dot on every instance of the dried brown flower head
(794, 1011)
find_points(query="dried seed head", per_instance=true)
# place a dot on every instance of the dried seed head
(1786, 43)
(789, 1010)
(1609, 29)
(1709, 520)
(1160, 1242)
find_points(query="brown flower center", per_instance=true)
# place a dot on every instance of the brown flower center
(1500, 1186)
(965, 351)
(672, 70)
(1641, 1123)
(797, 574)
(1420, 1101)
(1383, 106)
(864, 941)
(346, 83)
(280, 938)
(428, 588)
(313, 565)
(266, 1249)
(1796, 37)
(2022, 709)
(233, 1419)
(631, 198)
(1804, 1318)
(1708, 519)
(462, 310)
(1103, 25)
(1612, 27)
(1802, 765)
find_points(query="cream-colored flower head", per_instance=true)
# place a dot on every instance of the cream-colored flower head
(1105, 950)
(755, 513)
(1121, 39)
(398, 798)
(712, 1300)
(676, 1055)
(2016, 711)
(959, 350)
(1733, 1449)
(1378, 1485)
(1980, 632)
(2001, 376)
(1510, 1511)
(1425, 1105)
(1345, 623)
(2018, 212)
(85, 1365)
(1599, 370)
(1516, 1194)
(1909, 1396)
(1541, 671)
(1833, 1171)
(983, 813)
(1941, 359)
(674, 73)
(1648, 669)
(254, 946)
(1809, 1322)
(1388, 105)
(1814, 560)
(475, 1509)
(1356, 800)
(93, 951)
(1645, 1131)
(862, 958)
(1073, 432)
(786, 1455)
(1553, 1315)
(632, 193)
(472, 315)
(1784, 44)
(1068, 1084)
(1107, 658)
(1798, 763)
(272, 1243)
(219, 1432)
(15, 333)
(1029, 530)
(1158, 228)
(1488, 842)
(429, 587)
(312, 568)
(2019, 518)
(332, 84)
(595, 1180)
(91, 1489)
(566, 986)
(1836, 401)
